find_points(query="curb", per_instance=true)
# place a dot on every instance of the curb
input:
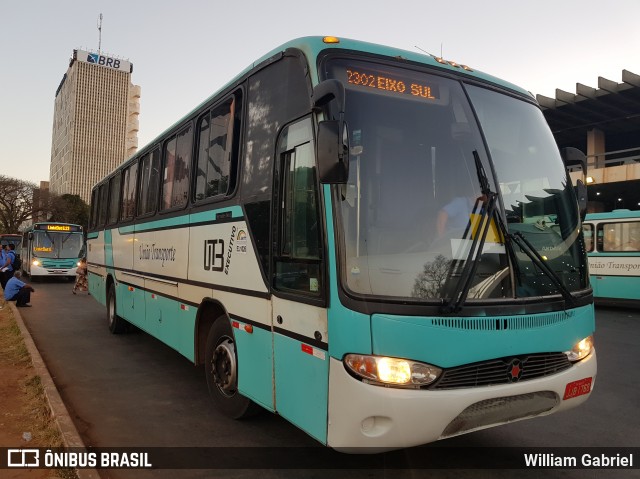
(70, 436)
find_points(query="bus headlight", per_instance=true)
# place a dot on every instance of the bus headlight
(35, 262)
(391, 371)
(581, 349)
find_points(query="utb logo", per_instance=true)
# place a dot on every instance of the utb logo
(102, 60)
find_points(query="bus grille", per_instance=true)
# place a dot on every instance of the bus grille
(58, 263)
(503, 371)
(504, 324)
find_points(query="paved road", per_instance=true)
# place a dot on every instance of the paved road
(133, 391)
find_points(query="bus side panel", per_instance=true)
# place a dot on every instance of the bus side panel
(617, 287)
(130, 303)
(96, 270)
(255, 363)
(302, 401)
(615, 275)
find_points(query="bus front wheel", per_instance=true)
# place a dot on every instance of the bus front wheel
(117, 325)
(221, 369)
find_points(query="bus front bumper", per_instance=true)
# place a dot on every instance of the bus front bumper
(42, 271)
(365, 418)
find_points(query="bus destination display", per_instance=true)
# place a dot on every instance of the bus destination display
(392, 84)
(58, 227)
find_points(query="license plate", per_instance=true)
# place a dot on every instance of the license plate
(577, 388)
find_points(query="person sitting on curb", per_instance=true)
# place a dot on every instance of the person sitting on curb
(18, 291)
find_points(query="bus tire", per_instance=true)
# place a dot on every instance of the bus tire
(221, 370)
(117, 325)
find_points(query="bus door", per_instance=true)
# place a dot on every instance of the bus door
(301, 361)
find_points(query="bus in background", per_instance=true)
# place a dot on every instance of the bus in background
(381, 246)
(613, 247)
(14, 239)
(52, 249)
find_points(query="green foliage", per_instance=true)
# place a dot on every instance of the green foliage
(16, 203)
(69, 209)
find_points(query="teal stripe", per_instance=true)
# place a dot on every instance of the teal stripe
(350, 332)
(182, 220)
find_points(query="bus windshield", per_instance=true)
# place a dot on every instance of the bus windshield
(48, 244)
(414, 205)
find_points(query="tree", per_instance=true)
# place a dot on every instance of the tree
(69, 208)
(430, 282)
(16, 203)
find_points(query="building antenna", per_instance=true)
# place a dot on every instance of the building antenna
(99, 33)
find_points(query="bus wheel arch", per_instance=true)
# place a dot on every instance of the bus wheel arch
(117, 325)
(221, 371)
(208, 312)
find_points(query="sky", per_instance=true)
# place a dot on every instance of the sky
(183, 51)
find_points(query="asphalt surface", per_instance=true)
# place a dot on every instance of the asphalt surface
(133, 391)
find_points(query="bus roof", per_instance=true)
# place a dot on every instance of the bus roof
(613, 215)
(312, 46)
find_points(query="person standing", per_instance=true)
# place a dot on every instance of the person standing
(81, 277)
(6, 270)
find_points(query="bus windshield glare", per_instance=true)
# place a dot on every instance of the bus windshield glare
(414, 206)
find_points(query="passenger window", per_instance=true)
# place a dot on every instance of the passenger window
(588, 236)
(215, 158)
(128, 210)
(149, 181)
(114, 199)
(102, 205)
(177, 158)
(94, 208)
(622, 236)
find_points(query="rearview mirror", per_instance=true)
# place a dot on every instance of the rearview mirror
(332, 143)
(332, 152)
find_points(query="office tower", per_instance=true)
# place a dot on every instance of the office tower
(95, 122)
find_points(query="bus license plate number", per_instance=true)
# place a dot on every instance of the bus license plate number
(577, 388)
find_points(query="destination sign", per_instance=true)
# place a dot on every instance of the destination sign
(58, 227)
(392, 83)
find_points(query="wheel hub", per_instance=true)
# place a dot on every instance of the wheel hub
(224, 368)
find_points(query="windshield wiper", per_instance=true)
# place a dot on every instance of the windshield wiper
(459, 295)
(528, 249)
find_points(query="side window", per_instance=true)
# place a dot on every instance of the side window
(623, 236)
(102, 204)
(298, 266)
(588, 236)
(149, 181)
(177, 158)
(216, 158)
(94, 207)
(114, 199)
(128, 210)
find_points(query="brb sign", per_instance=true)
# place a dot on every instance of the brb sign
(98, 59)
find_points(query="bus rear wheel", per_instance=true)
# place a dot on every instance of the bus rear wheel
(221, 370)
(117, 325)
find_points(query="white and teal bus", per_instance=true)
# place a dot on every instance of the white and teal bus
(52, 249)
(381, 246)
(613, 245)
